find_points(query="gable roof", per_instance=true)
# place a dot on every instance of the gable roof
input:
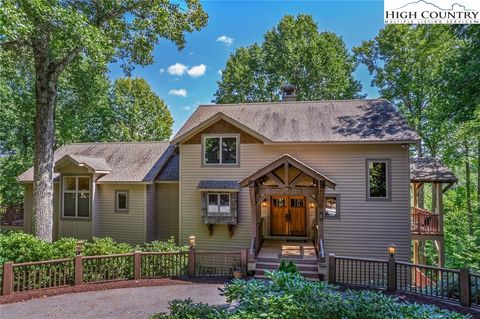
(430, 170)
(335, 121)
(95, 164)
(126, 162)
(287, 158)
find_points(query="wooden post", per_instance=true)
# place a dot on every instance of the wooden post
(7, 279)
(331, 268)
(464, 279)
(243, 261)
(391, 275)
(191, 261)
(78, 270)
(137, 265)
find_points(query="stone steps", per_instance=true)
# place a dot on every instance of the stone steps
(307, 268)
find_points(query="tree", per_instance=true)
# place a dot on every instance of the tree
(295, 53)
(407, 62)
(61, 33)
(139, 114)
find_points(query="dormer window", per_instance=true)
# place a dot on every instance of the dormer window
(220, 149)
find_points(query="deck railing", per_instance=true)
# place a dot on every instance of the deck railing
(460, 286)
(131, 266)
(11, 215)
(424, 222)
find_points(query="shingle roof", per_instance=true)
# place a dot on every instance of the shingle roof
(214, 184)
(430, 170)
(170, 172)
(339, 121)
(127, 162)
(95, 163)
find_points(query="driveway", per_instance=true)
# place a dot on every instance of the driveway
(116, 303)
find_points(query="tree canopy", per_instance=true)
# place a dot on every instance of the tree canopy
(296, 53)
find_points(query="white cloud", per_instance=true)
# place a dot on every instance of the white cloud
(177, 69)
(227, 41)
(178, 92)
(186, 108)
(196, 71)
(162, 70)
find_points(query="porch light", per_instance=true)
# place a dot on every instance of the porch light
(392, 249)
(79, 247)
(191, 241)
(312, 205)
(264, 203)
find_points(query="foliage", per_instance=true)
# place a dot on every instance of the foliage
(289, 295)
(168, 245)
(21, 247)
(288, 266)
(294, 52)
(139, 114)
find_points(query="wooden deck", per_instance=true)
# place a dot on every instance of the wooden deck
(424, 222)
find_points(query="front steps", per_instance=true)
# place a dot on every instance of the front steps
(307, 268)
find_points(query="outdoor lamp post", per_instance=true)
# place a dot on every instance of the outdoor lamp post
(79, 247)
(392, 249)
(191, 241)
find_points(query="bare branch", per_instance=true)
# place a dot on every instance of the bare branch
(60, 66)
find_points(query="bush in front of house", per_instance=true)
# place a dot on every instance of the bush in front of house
(289, 295)
(21, 247)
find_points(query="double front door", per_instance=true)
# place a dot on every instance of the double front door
(288, 216)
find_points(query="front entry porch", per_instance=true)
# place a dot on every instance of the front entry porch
(287, 200)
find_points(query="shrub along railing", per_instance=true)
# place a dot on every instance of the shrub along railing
(138, 265)
(459, 286)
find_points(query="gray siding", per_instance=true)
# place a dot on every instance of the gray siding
(167, 210)
(124, 227)
(365, 228)
(151, 205)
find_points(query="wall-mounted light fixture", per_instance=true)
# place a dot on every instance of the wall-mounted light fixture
(264, 203)
(312, 205)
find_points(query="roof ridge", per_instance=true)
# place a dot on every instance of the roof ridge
(132, 142)
(290, 102)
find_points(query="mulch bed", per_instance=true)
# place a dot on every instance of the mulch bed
(48, 292)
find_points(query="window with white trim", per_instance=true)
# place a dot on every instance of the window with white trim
(220, 150)
(121, 201)
(76, 196)
(378, 179)
(332, 206)
(218, 204)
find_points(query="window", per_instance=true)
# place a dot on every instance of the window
(121, 201)
(220, 150)
(76, 196)
(218, 204)
(378, 179)
(332, 206)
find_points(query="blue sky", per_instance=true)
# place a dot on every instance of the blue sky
(194, 78)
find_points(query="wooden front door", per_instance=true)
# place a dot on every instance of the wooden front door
(288, 216)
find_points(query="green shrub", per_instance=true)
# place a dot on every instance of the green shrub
(288, 266)
(289, 295)
(20, 247)
(168, 245)
(105, 246)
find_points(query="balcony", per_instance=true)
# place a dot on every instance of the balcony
(424, 222)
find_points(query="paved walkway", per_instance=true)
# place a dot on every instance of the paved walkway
(114, 304)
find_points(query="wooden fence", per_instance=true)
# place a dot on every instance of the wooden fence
(459, 286)
(131, 266)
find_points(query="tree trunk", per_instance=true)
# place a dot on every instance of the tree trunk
(45, 93)
(468, 188)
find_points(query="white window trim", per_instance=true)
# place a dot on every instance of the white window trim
(387, 181)
(220, 136)
(76, 191)
(337, 206)
(118, 209)
(218, 213)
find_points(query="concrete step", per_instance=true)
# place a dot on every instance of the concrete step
(296, 261)
(311, 278)
(275, 265)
